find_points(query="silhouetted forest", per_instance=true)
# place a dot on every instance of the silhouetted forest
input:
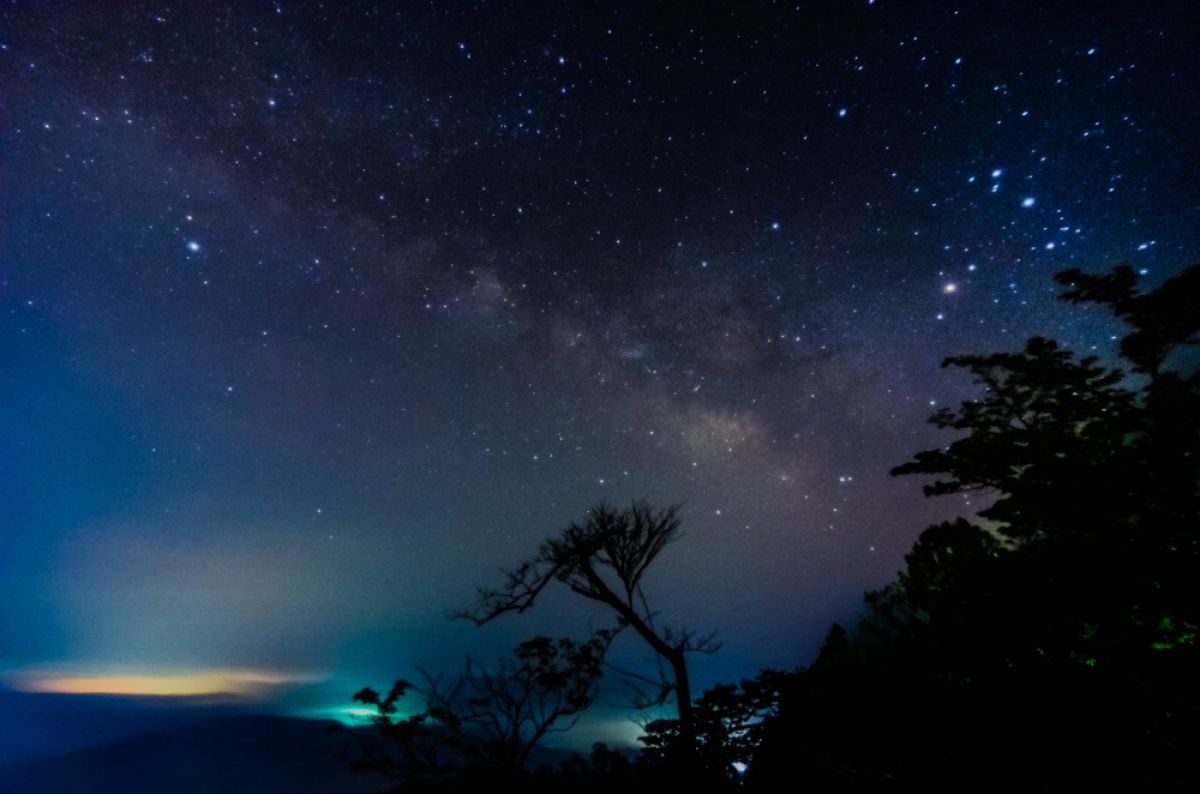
(1046, 644)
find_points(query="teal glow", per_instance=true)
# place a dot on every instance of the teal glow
(347, 715)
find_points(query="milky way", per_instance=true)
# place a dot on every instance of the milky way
(312, 318)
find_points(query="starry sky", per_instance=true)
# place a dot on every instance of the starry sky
(315, 315)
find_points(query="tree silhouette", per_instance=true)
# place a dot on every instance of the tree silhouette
(1095, 472)
(730, 719)
(1160, 321)
(1054, 647)
(604, 560)
(1046, 420)
(405, 749)
(502, 712)
(485, 718)
(1050, 646)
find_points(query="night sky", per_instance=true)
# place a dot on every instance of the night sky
(314, 316)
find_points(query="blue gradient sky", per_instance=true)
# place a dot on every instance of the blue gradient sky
(311, 320)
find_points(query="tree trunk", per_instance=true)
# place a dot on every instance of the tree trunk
(683, 699)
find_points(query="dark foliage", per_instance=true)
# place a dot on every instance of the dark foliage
(484, 720)
(1052, 648)
(730, 720)
(1055, 648)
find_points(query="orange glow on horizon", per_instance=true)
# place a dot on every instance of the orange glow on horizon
(214, 682)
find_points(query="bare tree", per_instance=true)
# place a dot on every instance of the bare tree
(604, 559)
(486, 716)
(501, 713)
(404, 748)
